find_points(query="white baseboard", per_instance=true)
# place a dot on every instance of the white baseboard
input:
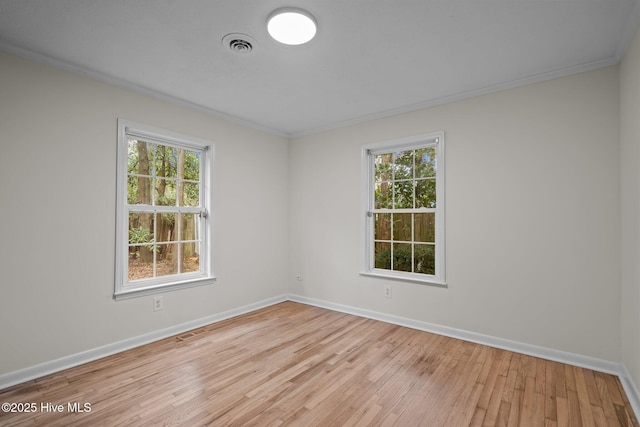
(630, 387)
(46, 368)
(515, 346)
(618, 369)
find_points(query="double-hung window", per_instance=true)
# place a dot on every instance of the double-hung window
(163, 220)
(404, 209)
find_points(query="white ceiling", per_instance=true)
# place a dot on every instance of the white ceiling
(370, 58)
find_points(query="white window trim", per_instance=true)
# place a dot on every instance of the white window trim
(123, 289)
(368, 269)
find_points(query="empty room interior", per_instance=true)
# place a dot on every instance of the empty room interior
(420, 213)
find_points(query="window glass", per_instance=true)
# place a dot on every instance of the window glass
(163, 225)
(405, 221)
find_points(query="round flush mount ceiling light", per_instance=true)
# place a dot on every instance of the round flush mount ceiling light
(291, 26)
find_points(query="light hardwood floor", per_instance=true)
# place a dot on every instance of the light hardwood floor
(293, 364)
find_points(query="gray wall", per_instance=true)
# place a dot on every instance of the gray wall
(630, 191)
(532, 216)
(57, 186)
(534, 213)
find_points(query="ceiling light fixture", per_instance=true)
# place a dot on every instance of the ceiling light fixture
(291, 26)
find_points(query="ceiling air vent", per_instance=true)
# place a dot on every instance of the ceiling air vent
(239, 43)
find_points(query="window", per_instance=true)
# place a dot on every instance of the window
(404, 209)
(164, 230)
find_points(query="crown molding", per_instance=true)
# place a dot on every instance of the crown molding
(629, 29)
(511, 84)
(123, 84)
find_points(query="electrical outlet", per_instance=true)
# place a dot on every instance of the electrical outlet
(387, 291)
(158, 304)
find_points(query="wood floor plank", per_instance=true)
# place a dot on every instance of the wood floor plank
(456, 408)
(562, 404)
(503, 414)
(510, 384)
(491, 419)
(550, 405)
(297, 365)
(583, 397)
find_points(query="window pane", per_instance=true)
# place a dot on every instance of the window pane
(382, 226)
(140, 262)
(191, 194)
(138, 190)
(167, 259)
(383, 195)
(189, 228)
(426, 162)
(140, 228)
(190, 257)
(191, 165)
(165, 192)
(424, 225)
(167, 227)
(140, 255)
(139, 156)
(403, 165)
(383, 255)
(402, 227)
(425, 259)
(132, 156)
(426, 193)
(402, 256)
(383, 164)
(139, 187)
(403, 193)
(166, 161)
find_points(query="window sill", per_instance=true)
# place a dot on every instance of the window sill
(407, 277)
(161, 288)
